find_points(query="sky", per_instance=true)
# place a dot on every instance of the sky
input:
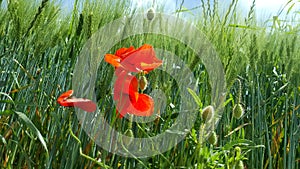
(265, 9)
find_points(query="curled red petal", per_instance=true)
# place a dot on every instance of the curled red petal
(63, 97)
(84, 104)
(125, 92)
(113, 60)
(67, 100)
(122, 104)
(125, 84)
(143, 58)
(147, 67)
(143, 107)
(124, 52)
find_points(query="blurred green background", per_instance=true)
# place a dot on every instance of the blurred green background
(39, 44)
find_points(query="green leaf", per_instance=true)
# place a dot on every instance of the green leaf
(7, 101)
(229, 100)
(290, 8)
(6, 112)
(1, 93)
(195, 96)
(241, 142)
(33, 129)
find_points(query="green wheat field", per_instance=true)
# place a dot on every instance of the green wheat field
(39, 46)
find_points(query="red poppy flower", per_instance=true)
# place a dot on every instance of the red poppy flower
(67, 100)
(126, 60)
(134, 60)
(127, 98)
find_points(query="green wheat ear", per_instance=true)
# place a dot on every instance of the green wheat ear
(89, 25)
(207, 113)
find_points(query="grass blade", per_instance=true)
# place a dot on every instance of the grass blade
(195, 96)
(32, 127)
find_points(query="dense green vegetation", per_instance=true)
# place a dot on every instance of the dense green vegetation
(39, 45)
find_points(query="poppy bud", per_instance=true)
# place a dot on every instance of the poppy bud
(212, 138)
(150, 14)
(207, 113)
(143, 83)
(238, 151)
(126, 140)
(238, 111)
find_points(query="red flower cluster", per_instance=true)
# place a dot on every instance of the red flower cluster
(127, 60)
(68, 100)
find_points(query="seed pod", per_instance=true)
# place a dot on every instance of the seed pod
(150, 14)
(207, 113)
(238, 111)
(212, 138)
(143, 83)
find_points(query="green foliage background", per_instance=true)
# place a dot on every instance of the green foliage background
(39, 45)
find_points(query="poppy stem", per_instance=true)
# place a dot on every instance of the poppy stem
(130, 121)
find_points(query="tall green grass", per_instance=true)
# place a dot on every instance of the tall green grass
(39, 45)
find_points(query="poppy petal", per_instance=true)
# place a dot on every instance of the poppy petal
(122, 105)
(141, 59)
(149, 67)
(63, 97)
(145, 46)
(67, 100)
(113, 60)
(126, 95)
(125, 84)
(124, 52)
(143, 107)
(125, 92)
(119, 115)
(84, 104)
